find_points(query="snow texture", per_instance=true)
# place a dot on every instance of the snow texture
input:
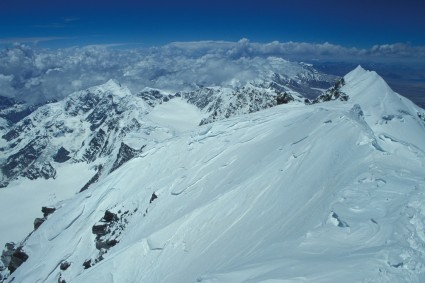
(329, 192)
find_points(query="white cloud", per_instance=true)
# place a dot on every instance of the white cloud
(37, 74)
(35, 40)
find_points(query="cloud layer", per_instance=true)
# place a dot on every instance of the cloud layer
(35, 75)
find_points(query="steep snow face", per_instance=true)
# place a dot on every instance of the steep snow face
(106, 126)
(21, 202)
(393, 118)
(295, 193)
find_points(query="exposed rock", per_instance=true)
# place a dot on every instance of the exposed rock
(340, 223)
(38, 222)
(154, 97)
(333, 93)
(17, 259)
(153, 197)
(21, 160)
(93, 179)
(100, 229)
(87, 264)
(108, 230)
(7, 253)
(37, 170)
(125, 154)
(283, 98)
(64, 265)
(109, 216)
(18, 129)
(95, 146)
(62, 155)
(47, 210)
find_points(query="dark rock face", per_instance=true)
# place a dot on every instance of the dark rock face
(7, 254)
(38, 222)
(62, 155)
(341, 223)
(93, 179)
(18, 162)
(246, 99)
(333, 93)
(222, 103)
(18, 129)
(95, 146)
(100, 113)
(87, 264)
(154, 97)
(82, 103)
(153, 197)
(46, 212)
(64, 265)
(107, 231)
(17, 259)
(36, 171)
(13, 110)
(125, 154)
(283, 98)
(100, 229)
(33, 149)
(109, 217)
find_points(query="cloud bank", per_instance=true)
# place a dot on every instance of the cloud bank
(36, 75)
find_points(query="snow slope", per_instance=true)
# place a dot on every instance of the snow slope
(330, 192)
(22, 200)
(177, 115)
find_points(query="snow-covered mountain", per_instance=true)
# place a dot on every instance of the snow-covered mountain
(94, 124)
(325, 191)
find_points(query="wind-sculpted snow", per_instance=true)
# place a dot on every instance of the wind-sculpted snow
(329, 192)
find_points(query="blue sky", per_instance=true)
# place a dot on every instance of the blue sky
(348, 23)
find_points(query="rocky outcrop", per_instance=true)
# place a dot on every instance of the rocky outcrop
(283, 98)
(13, 110)
(22, 162)
(107, 231)
(334, 93)
(62, 155)
(37, 170)
(222, 103)
(125, 153)
(95, 146)
(11, 258)
(154, 97)
(93, 179)
(46, 212)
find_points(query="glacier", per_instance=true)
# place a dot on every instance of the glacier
(327, 192)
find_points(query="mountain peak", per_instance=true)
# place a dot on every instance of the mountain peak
(114, 87)
(358, 72)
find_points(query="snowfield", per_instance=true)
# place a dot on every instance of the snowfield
(330, 192)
